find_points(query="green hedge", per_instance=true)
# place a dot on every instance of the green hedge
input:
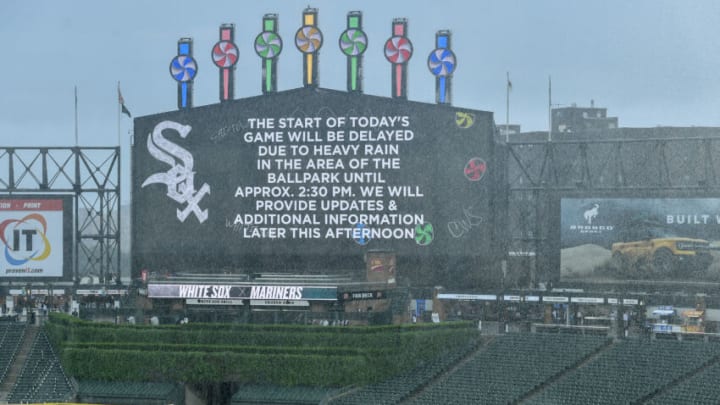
(170, 347)
(266, 354)
(248, 336)
(204, 367)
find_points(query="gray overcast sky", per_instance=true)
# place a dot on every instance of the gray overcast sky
(649, 62)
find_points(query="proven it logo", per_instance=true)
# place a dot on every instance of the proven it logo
(25, 239)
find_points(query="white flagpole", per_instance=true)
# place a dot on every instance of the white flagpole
(76, 117)
(550, 128)
(119, 111)
(119, 140)
(507, 109)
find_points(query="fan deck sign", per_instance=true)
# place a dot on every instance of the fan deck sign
(312, 172)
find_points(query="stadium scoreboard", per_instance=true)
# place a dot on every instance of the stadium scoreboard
(313, 173)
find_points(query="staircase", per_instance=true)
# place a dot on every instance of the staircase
(31, 332)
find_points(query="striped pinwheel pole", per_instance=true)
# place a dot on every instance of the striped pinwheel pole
(225, 55)
(268, 46)
(442, 63)
(398, 50)
(308, 40)
(183, 68)
(353, 43)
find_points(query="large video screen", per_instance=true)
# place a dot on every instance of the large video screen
(311, 173)
(640, 239)
(36, 237)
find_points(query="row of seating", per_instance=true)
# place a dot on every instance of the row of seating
(109, 392)
(557, 369)
(510, 367)
(701, 388)
(400, 387)
(553, 369)
(11, 335)
(42, 378)
(628, 371)
(284, 395)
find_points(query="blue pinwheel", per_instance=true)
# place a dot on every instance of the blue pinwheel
(183, 68)
(441, 62)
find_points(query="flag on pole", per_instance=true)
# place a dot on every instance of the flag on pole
(121, 100)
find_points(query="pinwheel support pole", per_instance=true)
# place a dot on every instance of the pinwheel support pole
(442, 64)
(183, 69)
(268, 46)
(398, 50)
(353, 43)
(225, 56)
(308, 40)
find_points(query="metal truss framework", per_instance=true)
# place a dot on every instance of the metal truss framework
(92, 176)
(540, 172)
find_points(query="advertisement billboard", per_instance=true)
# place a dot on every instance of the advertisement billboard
(36, 237)
(309, 178)
(241, 292)
(640, 238)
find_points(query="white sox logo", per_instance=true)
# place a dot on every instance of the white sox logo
(180, 178)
